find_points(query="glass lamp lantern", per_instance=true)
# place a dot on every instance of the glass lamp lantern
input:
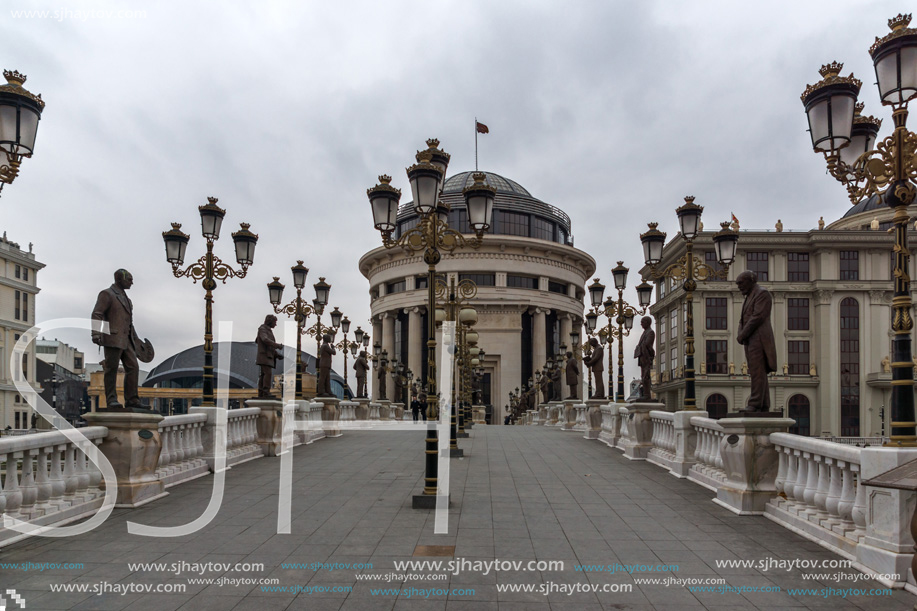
(20, 112)
(336, 315)
(245, 242)
(829, 106)
(689, 218)
(620, 275)
(895, 60)
(629, 319)
(300, 272)
(591, 321)
(479, 200)
(644, 293)
(725, 242)
(366, 340)
(468, 316)
(322, 290)
(211, 219)
(358, 335)
(345, 325)
(653, 240)
(275, 291)
(176, 242)
(383, 199)
(596, 292)
(425, 179)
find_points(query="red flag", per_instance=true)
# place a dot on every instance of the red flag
(482, 129)
(734, 219)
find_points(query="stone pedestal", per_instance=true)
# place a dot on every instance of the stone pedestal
(374, 411)
(330, 415)
(132, 446)
(580, 423)
(479, 413)
(685, 443)
(270, 425)
(594, 419)
(888, 546)
(750, 463)
(384, 410)
(638, 440)
(396, 411)
(362, 410)
(557, 418)
(348, 412)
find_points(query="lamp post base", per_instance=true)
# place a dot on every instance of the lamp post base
(456, 453)
(427, 501)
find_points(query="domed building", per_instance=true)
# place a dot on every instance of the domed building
(530, 287)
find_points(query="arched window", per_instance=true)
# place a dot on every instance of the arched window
(850, 368)
(717, 406)
(798, 409)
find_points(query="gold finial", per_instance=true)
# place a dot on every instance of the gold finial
(299, 262)
(900, 22)
(384, 179)
(176, 226)
(14, 77)
(479, 177)
(213, 200)
(244, 226)
(424, 157)
(652, 225)
(858, 108)
(831, 70)
(276, 278)
(433, 143)
(689, 199)
(620, 262)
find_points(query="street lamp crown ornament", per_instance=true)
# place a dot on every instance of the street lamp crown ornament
(14, 84)
(896, 65)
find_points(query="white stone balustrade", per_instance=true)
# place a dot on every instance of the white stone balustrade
(663, 451)
(181, 458)
(708, 468)
(242, 436)
(580, 424)
(48, 479)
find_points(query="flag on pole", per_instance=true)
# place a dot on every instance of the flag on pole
(482, 129)
(734, 219)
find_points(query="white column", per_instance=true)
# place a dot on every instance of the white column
(566, 326)
(376, 336)
(539, 347)
(388, 335)
(416, 339)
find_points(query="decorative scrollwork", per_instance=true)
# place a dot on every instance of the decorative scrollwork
(678, 271)
(431, 232)
(299, 310)
(219, 270)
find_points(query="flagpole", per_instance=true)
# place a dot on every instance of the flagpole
(475, 144)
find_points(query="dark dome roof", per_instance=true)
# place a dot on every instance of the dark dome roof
(243, 370)
(873, 202)
(502, 185)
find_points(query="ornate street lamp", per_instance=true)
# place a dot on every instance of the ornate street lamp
(20, 112)
(299, 309)
(322, 291)
(345, 344)
(886, 171)
(689, 269)
(431, 236)
(209, 268)
(451, 305)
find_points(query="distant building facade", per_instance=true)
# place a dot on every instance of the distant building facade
(18, 291)
(832, 292)
(530, 288)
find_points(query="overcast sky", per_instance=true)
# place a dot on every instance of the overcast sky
(612, 111)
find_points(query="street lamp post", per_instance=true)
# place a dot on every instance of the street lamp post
(20, 111)
(432, 235)
(344, 345)
(689, 269)
(887, 171)
(452, 298)
(299, 309)
(620, 312)
(322, 290)
(209, 268)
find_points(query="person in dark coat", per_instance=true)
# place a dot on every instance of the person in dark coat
(324, 368)
(757, 335)
(416, 407)
(268, 353)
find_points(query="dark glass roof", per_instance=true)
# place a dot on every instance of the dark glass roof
(243, 370)
(464, 179)
(872, 202)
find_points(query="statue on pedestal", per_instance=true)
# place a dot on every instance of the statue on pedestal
(268, 353)
(361, 366)
(556, 391)
(757, 335)
(380, 378)
(595, 362)
(645, 353)
(573, 376)
(324, 367)
(120, 343)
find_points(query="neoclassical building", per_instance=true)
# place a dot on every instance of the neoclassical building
(530, 281)
(831, 290)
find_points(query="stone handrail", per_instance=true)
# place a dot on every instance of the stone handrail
(818, 484)
(48, 479)
(611, 425)
(181, 457)
(663, 452)
(708, 468)
(242, 436)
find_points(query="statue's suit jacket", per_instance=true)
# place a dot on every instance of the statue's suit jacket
(755, 330)
(267, 347)
(114, 306)
(360, 366)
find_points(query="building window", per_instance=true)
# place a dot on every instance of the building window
(557, 287)
(716, 313)
(25, 306)
(25, 366)
(420, 282)
(511, 223)
(850, 368)
(797, 314)
(797, 266)
(798, 357)
(562, 236)
(17, 299)
(798, 409)
(673, 323)
(710, 259)
(662, 287)
(717, 406)
(394, 287)
(25, 274)
(673, 357)
(458, 220)
(542, 229)
(405, 226)
(480, 279)
(77, 362)
(757, 262)
(527, 349)
(521, 282)
(18, 272)
(716, 356)
(552, 334)
(660, 324)
(850, 265)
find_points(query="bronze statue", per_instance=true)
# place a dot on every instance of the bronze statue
(645, 354)
(361, 366)
(268, 353)
(121, 343)
(380, 378)
(324, 367)
(544, 384)
(757, 335)
(573, 373)
(556, 389)
(399, 381)
(595, 363)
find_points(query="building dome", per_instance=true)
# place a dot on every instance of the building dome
(861, 214)
(516, 212)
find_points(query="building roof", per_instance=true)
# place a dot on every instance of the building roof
(243, 370)
(503, 185)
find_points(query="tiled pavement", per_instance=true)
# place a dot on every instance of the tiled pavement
(520, 493)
